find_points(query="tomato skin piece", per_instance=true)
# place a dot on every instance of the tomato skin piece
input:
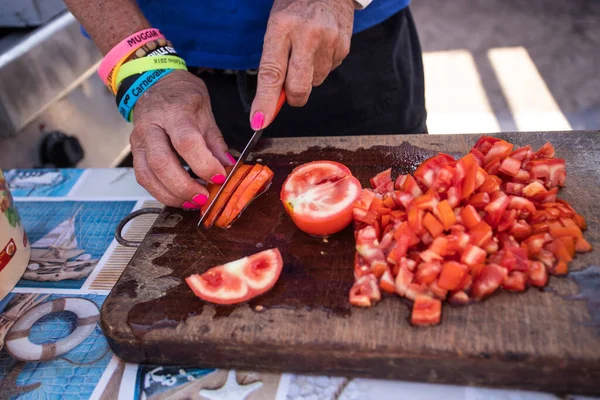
(510, 166)
(381, 179)
(452, 275)
(582, 245)
(460, 298)
(514, 188)
(433, 226)
(365, 292)
(496, 209)
(480, 200)
(521, 230)
(239, 280)
(489, 279)
(480, 234)
(546, 151)
(427, 272)
(426, 311)
(311, 191)
(427, 171)
(387, 282)
(469, 215)
(485, 143)
(538, 275)
(521, 153)
(473, 255)
(408, 184)
(499, 151)
(444, 213)
(515, 281)
(553, 171)
(491, 184)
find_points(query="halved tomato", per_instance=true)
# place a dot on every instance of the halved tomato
(240, 280)
(319, 197)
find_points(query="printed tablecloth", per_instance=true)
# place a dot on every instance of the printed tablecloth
(70, 217)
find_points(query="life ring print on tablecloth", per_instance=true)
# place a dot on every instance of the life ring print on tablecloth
(17, 341)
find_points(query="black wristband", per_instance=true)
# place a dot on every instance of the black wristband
(124, 87)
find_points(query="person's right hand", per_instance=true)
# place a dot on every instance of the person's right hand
(172, 116)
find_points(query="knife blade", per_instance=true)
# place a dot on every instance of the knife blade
(247, 150)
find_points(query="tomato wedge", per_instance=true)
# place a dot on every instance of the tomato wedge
(319, 197)
(240, 280)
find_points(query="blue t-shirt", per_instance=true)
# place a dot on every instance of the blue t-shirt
(228, 34)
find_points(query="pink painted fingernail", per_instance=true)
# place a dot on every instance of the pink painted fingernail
(258, 120)
(200, 199)
(218, 179)
(230, 158)
(188, 205)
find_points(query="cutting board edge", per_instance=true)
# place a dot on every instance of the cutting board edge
(576, 377)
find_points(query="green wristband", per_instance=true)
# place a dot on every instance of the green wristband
(145, 64)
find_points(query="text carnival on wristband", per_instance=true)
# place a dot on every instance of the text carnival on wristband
(140, 87)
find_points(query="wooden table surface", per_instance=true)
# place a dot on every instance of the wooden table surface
(542, 339)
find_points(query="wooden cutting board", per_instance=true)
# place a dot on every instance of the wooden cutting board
(543, 339)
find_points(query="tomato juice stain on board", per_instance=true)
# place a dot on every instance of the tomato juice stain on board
(316, 275)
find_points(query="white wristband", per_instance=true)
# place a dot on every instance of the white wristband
(361, 4)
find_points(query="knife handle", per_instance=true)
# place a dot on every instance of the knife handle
(280, 102)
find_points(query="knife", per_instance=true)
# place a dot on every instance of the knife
(247, 150)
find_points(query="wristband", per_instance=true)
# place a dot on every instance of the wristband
(112, 77)
(153, 48)
(124, 49)
(124, 87)
(143, 83)
(146, 64)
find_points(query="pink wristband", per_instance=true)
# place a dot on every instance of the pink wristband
(124, 49)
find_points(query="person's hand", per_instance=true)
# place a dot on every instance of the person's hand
(305, 40)
(174, 115)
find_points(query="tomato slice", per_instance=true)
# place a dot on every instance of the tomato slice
(235, 197)
(250, 191)
(225, 196)
(319, 197)
(239, 280)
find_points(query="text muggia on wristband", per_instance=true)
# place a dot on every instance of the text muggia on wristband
(119, 53)
(143, 83)
(147, 64)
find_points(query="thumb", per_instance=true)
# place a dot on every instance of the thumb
(271, 77)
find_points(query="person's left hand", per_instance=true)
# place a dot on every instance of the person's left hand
(305, 40)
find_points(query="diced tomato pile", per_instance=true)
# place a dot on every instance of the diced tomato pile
(459, 230)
